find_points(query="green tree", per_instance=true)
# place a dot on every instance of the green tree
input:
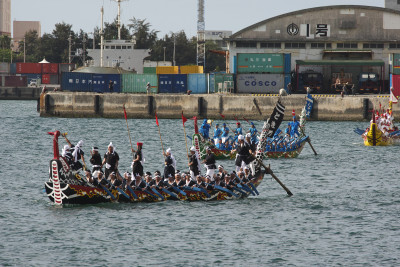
(141, 32)
(111, 31)
(216, 60)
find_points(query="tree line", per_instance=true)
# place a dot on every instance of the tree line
(55, 46)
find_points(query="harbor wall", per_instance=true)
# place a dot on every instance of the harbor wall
(20, 93)
(256, 107)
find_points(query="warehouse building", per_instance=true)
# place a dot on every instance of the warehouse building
(343, 41)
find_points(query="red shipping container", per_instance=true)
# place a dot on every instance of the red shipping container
(396, 84)
(35, 68)
(45, 78)
(49, 68)
(15, 81)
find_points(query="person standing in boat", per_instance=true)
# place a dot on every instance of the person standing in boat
(205, 130)
(194, 163)
(238, 131)
(294, 128)
(210, 163)
(243, 153)
(253, 132)
(170, 164)
(137, 167)
(252, 152)
(225, 133)
(95, 160)
(217, 133)
(111, 159)
(76, 153)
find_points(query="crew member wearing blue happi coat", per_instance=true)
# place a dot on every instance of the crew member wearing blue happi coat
(225, 133)
(205, 129)
(294, 128)
(217, 133)
(253, 132)
(238, 131)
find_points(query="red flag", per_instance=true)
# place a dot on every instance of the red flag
(222, 116)
(246, 119)
(183, 119)
(126, 117)
(157, 119)
(293, 113)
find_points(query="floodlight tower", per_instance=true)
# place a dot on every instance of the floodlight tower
(201, 42)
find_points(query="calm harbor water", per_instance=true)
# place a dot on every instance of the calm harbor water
(345, 209)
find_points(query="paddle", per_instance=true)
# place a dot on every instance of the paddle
(220, 188)
(244, 186)
(269, 171)
(254, 188)
(108, 192)
(123, 193)
(197, 189)
(179, 191)
(157, 193)
(132, 192)
(308, 141)
(129, 133)
(170, 193)
(359, 131)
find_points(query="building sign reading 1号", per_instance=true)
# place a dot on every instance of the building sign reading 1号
(310, 31)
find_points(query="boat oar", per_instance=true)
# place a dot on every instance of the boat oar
(220, 188)
(240, 191)
(179, 191)
(151, 194)
(254, 188)
(269, 171)
(197, 189)
(123, 193)
(157, 193)
(108, 192)
(132, 192)
(244, 186)
(308, 141)
(170, 193)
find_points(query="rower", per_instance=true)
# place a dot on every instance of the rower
(139, 184)
(111, 159)
(114, 181)
(77, 154)
(137, 167)
(194, 163)
(170, 163)
(220, 145)
(221, 172)
(66, 153)
(238, 131)
(189, 182)
(178, 179)
(95, 160)
(253, 132)
(210, 163)
(100, 179)
(88, 176)
(217, 133)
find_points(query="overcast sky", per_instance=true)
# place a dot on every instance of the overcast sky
(165, 16)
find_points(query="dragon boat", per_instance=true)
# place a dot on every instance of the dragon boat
(291, 150)
(67, 186)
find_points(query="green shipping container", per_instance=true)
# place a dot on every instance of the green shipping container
(221, 82)
(260, 63)
(149, 70)
(136, 83)
(396, 64)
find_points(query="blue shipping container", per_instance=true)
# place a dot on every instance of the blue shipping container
(172, 83)
(76, 81)
(197, 83)
(13, 68)
(100, 82)
(288, 63)
(234, 67)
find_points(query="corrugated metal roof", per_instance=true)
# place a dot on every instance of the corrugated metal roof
(341, 62)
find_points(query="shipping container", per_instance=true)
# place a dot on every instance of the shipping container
(221, 81)
(15, 81)
(76, 81)
(50, 79)
(396, 84)
(396, 60)
(35, 68)
(233, 68)
(49, 68)
(4, 68)
(288, 63)
(136, 83)
(197, 83)
(100, 83)
(191, 69)
(65, 67)
(260, 83)
(260, 63)
(150, 70)
(396, 70)
(13, 68)
(172, 83)
(167, 70)
(32, 76)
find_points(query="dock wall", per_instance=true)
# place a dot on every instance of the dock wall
(20, 93)
(326, 108)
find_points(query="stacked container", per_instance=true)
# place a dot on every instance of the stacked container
(396, 64)
(221, 82)
(172, 83)
(262, 73)
(32, 71)
(167, 70)
(197, 83)
(50, 73)
(15, 81)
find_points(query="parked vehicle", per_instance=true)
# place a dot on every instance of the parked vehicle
(368, 83)
(311, 79)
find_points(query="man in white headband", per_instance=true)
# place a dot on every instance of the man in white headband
(95, 160)
(77, 154)
(243, 152)
(170, 164)
(194, 163)
(210, 163)
(111, 159)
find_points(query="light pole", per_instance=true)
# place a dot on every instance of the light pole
(24, 50)
(164, 53)
(173, 58)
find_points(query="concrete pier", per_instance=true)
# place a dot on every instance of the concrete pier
(256, 107)
(20, 93)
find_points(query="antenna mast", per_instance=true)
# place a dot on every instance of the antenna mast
(201, 42)
(119, 18)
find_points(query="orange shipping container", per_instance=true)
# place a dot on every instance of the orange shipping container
(191, 69)
(167, 70)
